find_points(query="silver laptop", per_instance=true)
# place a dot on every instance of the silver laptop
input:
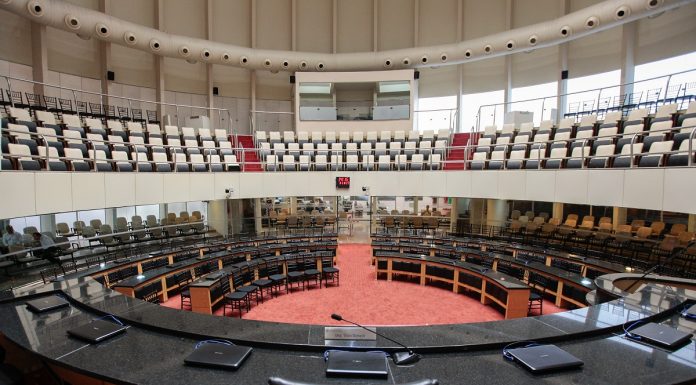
(97, 331)
(661, 335)
(220, 356)
(357, 364)
(545, 358)
(44, 304)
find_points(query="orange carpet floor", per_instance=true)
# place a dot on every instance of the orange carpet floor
(362, 298)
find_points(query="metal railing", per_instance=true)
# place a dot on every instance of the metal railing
(603, 100)
(74, 91)
(336, 160)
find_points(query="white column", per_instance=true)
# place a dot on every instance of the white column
(497, 212)
(39, 56)
(629, 34)
(562, 99)
(159, 63)
(258, 224)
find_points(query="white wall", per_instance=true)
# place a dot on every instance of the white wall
(28, 193)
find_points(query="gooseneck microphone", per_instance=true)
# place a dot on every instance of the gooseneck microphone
(674, 253)
(400, 358)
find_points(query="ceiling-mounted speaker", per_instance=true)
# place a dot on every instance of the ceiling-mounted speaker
(564, 74)
(292, 79)
(216, 91)
(416, 75)
(110, 75)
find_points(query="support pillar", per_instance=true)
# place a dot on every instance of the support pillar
(562, 100)
(48, 223)
(293, 206)
(159, 64)
(629, 33)
(477, 211)
(415, 205)
(692, 223)
(217, 216)
(454, 214)
(39, 56)
(258, 215)
(557, 211)
(619, 217)
(496, 212)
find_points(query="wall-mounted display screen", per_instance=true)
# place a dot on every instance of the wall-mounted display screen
(342, 182)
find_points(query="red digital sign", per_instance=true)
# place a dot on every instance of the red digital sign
(342, 182)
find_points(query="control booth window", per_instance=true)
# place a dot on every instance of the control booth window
(383, 100)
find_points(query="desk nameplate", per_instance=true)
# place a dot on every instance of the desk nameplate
(349, 333)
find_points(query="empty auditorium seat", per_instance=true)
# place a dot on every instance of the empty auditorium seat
(517, 156)
(435, 161)
(578, 157)
(351, 162)
(656, 154)
(260, 136)
(682, 157)
(161, 162)
(409, 149)
(417, 162)
(394, 149)
(320, 163)
(371, 137)
(274, 137)
(288, 136)
(625, 159)
(230, 162)
(442, 134)
(308, 149)
(330, 137)
(556, 157)
(317, 137)
(478, 161)
(214, 163)
(344, 137)
(537, 154)
(368, 162)
(121, 161)
(293, 149)
(180, 162)
(601, 156)
(304, 163)
(384, 163)
(289, 163)
(76, 160)
(23, 157)
(497, 160)
(302, 137)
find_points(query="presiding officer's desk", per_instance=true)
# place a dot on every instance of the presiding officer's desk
(159, 338)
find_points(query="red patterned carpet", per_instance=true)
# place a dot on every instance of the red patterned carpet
(363, 299)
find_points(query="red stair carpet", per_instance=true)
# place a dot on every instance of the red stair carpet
(251, 157)
(455, 157)
(363, 299)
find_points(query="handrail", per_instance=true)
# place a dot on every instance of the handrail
(162, 103)
(600, 89)
(395, 164)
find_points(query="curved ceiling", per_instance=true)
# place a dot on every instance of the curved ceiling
(88, 23)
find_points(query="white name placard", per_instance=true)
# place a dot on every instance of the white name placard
(349, 333)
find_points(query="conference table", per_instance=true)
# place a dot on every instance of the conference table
(157, 340)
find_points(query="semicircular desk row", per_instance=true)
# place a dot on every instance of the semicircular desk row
(158, 338)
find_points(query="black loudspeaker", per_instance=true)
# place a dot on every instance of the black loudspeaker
(110, 75)
(416, 75)
(292, 79)
(215, 91)
(564, 74)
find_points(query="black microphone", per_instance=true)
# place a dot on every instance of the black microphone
(400, 358)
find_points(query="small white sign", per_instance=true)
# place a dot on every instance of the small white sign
(349, 333)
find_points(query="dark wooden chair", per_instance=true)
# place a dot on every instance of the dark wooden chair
(536, 302)
(329, 272)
